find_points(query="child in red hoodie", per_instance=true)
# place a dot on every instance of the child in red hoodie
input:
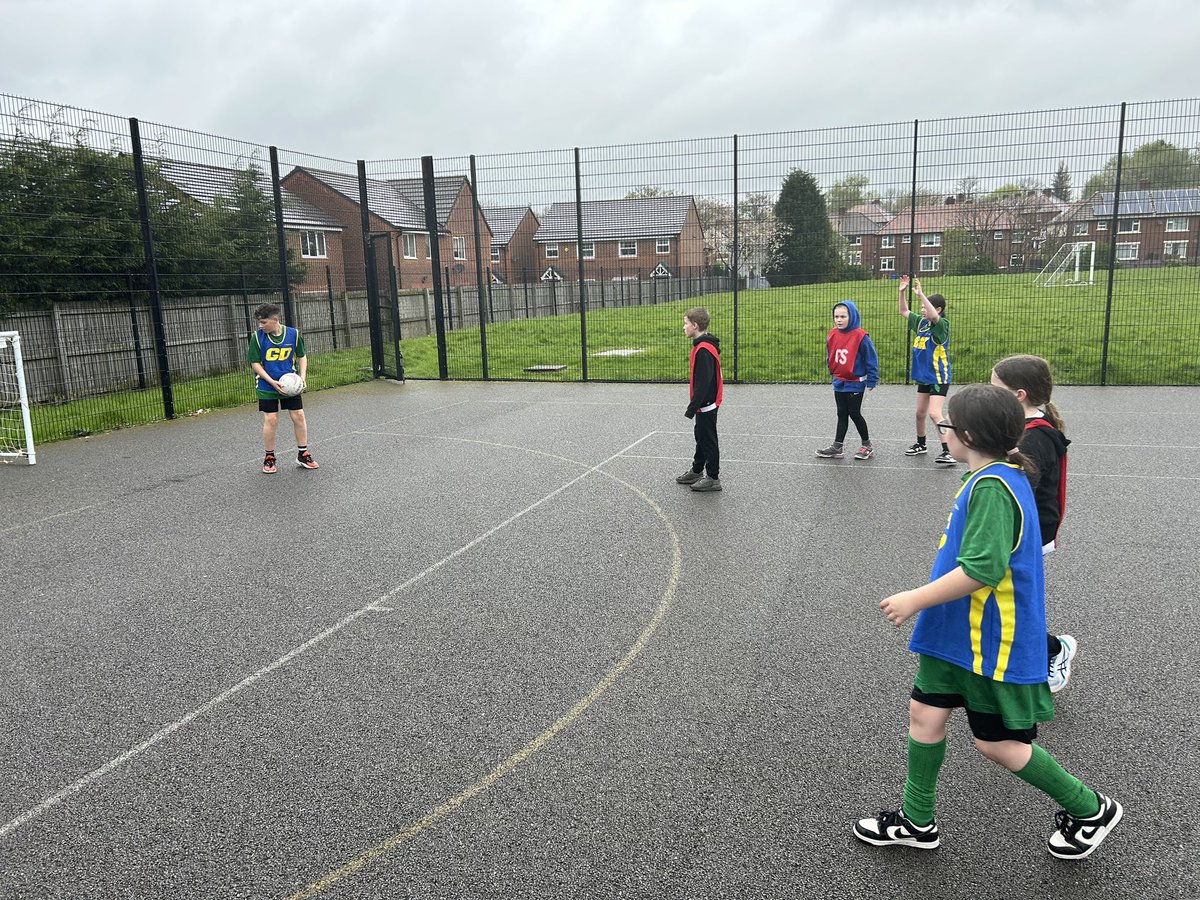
(854, 365)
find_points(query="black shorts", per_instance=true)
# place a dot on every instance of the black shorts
(273, 405)
(937, 390)
(985, 726)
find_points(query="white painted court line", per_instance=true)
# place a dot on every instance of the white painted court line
(375, 606)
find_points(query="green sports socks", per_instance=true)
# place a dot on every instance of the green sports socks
(1045, 774)
(920, 787)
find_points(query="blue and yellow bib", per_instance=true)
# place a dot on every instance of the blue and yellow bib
(277, 355)
(997, 632)
(930, 360)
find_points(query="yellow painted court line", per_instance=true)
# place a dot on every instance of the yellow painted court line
(436, 815)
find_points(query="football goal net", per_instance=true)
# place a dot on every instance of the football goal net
(1074, 263)
(16, 429)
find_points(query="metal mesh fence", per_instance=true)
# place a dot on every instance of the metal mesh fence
(136, 253)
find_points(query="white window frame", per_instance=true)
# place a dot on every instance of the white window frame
(997, 235)
(1177, 224)
(552, 251)
(931, 240)
(1170, 246)
(854, 258)
(1128, 250)
(587, 250)
(887, 264)
(1129, 226)
(1016, 261)
(410, 245)
(887, 241)
(907, 239)
(622, 246)
(1018, 236)
(313, 246)
(662, 245)
(1102, 226)
(1081, 229)
(428, 246)
(931, 263)
(460, 247)
(856, 240)
(495, 254)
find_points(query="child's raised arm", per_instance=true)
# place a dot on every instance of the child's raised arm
(903, 297)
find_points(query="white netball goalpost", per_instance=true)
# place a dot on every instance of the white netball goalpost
(16, 428)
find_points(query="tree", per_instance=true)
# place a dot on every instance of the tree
(847, 193)
(899, 199)
(967, 253)
(757, 228)
(805, 251)
(1060, 187)
(649, 190)
(1157, 165)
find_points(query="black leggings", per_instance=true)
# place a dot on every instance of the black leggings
(849, 406)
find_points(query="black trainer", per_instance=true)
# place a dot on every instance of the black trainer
(1078, 838)
(893, 828)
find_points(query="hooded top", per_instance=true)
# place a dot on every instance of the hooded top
(707, 385)
(850, 354)
(1047, 447)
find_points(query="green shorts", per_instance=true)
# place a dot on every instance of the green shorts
(1020, 706)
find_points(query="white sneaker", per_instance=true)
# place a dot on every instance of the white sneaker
(1060, 664)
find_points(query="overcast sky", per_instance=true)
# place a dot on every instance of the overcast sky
(383, 79)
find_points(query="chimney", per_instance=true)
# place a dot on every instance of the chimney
(949, 201)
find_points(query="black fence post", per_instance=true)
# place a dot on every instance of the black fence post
(1114, 223)
(281, 241)
(737, 262)
(137, 333)
(579, 261)
(156, 309)
(373, 317)
(332, 314)
(483, 352)
(912, 246)
(435, 261)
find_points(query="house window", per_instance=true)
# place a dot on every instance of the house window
(1016, 261)
(495, 254)
(1081, 228)
(931, 240)
(627, 249)
(930, 263)
(856, 241)
(428, 247)
(997, 235)
(1102, 226)
(587, 249)
(1018, 237)
(552, 251)
(1127, 251)
(1177, 224)
(1175, 249)
(460, 248)
(888, 240)
(854, 257)
(312, 245)
(907, 239)
(662, 246)
(1129, 226)
(410, 246)
(887, 264)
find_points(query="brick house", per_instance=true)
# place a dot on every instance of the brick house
(1154, 227)
(513, 252)
(857, 224)
(396, 209)
(314, 237)
(649, 237)
(1013, 232)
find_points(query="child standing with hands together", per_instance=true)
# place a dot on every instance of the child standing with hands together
(854, 365)
(980, 636)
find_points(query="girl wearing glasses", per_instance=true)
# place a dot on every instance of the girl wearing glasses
(980, 636)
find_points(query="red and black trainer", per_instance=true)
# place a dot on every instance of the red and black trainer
(305, 461)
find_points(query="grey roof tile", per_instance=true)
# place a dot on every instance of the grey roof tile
(645, 217)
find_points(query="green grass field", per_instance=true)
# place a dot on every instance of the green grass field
(1153, 330)
(1154, 333)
